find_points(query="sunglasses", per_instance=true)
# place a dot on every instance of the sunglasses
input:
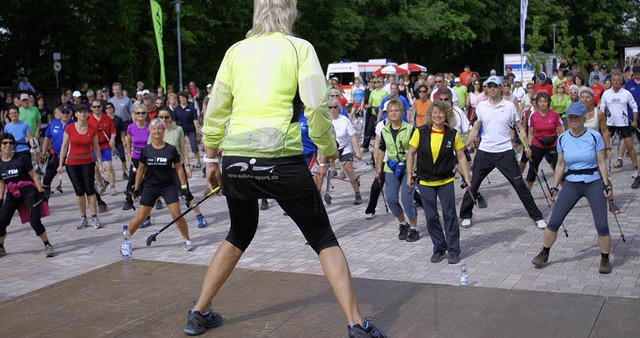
(444, 99)
(333, 107)
(66, 112)
(573, 93)
(140, 113)
(108, 107)
(96, 106)
(7, 143)
(492, 85)
(165, 117)
(438, 81)
(422, 91)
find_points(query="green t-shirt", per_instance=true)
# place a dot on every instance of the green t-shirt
(560, 106)
(31, 116)
(559, 81)
(461, 92)
(376, 97)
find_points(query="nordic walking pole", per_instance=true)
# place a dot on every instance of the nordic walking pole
(327, 195)
(606, 189)
(384, 199)
(543, 192)
(152, 238)
(464, 185)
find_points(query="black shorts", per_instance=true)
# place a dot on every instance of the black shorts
(623, 132)
(150, 194)
(346, 158)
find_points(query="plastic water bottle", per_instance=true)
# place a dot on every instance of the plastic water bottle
(125, 245)
(464, 277)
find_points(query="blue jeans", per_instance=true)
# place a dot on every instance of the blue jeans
(449, 239)
(395, 186)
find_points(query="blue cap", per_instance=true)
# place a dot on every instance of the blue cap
(65, 107)
(81, 106)
(494, 79)
(542, 76)
(576, 109)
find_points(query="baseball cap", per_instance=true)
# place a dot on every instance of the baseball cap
(209, 85)
(569, 73)
(140, 83)
(335, 78)
(614, 66)
(139, 93)
(576, 109)
(495, 80)
(635, 69)
(456, 79)
(604, 65)
(77, 94)
(65, 107)
(542, 76)
(146, 91)
(596, 77)
(80, 106)
(24, 96)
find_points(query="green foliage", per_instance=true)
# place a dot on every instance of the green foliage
(535, 41)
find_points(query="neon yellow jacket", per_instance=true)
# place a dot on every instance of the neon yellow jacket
(254, 91)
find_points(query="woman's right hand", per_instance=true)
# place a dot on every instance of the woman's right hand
(59, 170)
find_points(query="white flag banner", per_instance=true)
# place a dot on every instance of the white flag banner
(523, 20)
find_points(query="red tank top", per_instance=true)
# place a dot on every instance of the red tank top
(80, 145)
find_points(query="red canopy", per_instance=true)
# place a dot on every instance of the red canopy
(390, 70)
(413, 67)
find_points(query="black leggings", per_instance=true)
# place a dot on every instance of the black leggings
(82, 178)
(29, 197)
(51, 170)
(306, 211)
(537, 154)
(132, 174)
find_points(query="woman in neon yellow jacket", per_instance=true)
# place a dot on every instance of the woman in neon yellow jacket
(260, 138)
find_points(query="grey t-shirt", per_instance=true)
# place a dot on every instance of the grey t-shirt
(123, 107)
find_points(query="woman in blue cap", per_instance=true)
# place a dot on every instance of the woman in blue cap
(582, 152)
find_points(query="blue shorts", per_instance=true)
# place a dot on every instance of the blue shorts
(105, 154)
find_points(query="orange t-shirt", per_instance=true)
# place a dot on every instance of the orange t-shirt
(464, 76)
(421, 111)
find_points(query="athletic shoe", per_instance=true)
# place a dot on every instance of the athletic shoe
(605, 266)
(482, 203)
(198, 165)
(618, 163)
(125, 177)
(264, 205)
(128, 204)
(541, 224)
(145, 223)
(198, 323)
(539, 260)
(202, 223)
(636, 183)
(103, 207)
(403, 231)
(413, 236)
(188, 245)
(113, 191)
(48, 251)
(158, 205)
(96, 223)
(368, 331)
(3, 252)
(466, 223)
(358, 199)
(437, 257)
(454, 259)
(83, 223)
(635, 173)
(369, 216)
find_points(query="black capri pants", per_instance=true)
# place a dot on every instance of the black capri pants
(82, 178)
(570, 194)
(537, 154)
(29, 196)
(51, 170)
(193, 141)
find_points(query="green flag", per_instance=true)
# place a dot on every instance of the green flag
(156, 16)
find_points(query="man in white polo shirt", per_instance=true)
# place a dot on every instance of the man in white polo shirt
(497, 116)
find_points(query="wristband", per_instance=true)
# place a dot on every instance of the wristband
(607, 148)
(322, 164)
(183, 187)
(205, 159)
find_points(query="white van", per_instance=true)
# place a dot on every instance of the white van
(346, 72)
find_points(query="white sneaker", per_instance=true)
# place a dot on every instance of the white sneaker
(113, 191)
(369, 216)
(635, 174)
(541, 224)
(188, 245)
(466, 223)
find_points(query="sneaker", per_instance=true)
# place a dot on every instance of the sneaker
(618, 163)
(454, 259)
(413, 236)
(188, 245)
(197, 323)
(49, 252)
(539, 260)
(3, 252)
(369, 216)
(437, 257)
(613, 208)
(466, 223)
(96, 223)
(158, 205)
(636, 183)
(541, 224)
(482, 203)
(202, 223)
(198, 165)
(145, 223)
(128, 204)
(605, 266)
(403, 231)
(83, 223)
(635, 173)
(113, 191)
(125, 177)
(103, 207)
(358, 199)
(369, 330)
(264, 205)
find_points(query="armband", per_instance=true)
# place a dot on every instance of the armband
(205, 159)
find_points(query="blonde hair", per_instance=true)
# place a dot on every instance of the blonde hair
(444, 107)
(155, 122)
(273, 16)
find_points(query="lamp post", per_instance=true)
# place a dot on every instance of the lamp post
(553, 25)
(177, 4)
